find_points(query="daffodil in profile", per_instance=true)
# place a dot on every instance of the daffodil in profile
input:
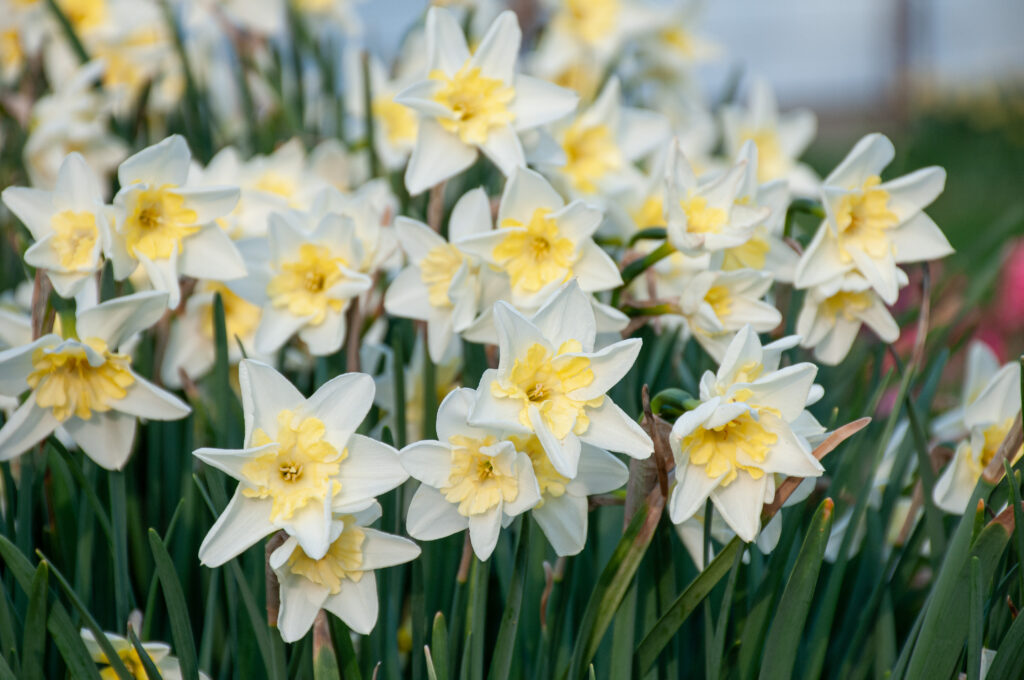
(474, 102)
(872, 226)
(168, 226)
(300, 463)
(341, 582)
(745, 431)
(551, 383)
(470, 478)
(988, 418)
(159, 654)
(981, 367)
(540, 243)
(83, 384)
(70, 225)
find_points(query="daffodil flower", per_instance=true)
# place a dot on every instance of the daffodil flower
(167, 226)
(301, 463)
(371, 208)
(705, 214)
(540, 242)
(872, 226)
(82, 384)
(342, 581)
(730, 447)
(550, 382)
(441, 285)
(474, 102)
(780, 137)
(602, 143)
(471, 478)
(395, 126)
(988, 419)
(304, 280)
(833, 313)
(982, 364)
(158, 652)
(70, 225)
(691, 533)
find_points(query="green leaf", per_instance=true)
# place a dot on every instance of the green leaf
(784, 636)
(147, 662)
(177, 610)
(977, 621)
(439, 647)
(501, 661)
(6, 673)
(1010, 655)
(325, 664)
(33, 644)
(687, 602)
(119, 518)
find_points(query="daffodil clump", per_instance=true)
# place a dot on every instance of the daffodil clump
(326, 359)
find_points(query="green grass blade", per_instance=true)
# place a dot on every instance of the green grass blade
(439, 648)
(177, 610)
(501, 661)
(716, 660)
(783, 639)
(33, 644)
(147, 662)
(6, 672)
(1010, 655)
(976, 621)
(119, 519)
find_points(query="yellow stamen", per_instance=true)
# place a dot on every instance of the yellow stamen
(700, 218)
(863, 218)
(158, 220)
(241, 317)
(536, 257)
(75, 236)
(591, 153)
(847, 304)
(720, 299)
(479, 104)
(650, 214)
(303, 285)
(750, 255)
(437, 270)
(589, 20)
(740, 444)
(343, 559)
(478, 482)
(771, 162)
(65, 381)
(551, 482)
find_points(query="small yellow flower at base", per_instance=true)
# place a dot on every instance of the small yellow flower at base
(342, 561)
(303, 283)
(591, 153)
(700, 218)
(863, 218)
(551, 482)
(157, 222)
(479, 104)
(298, 471)
(478, 482)
(536, 257)
(544, 380)
(398, 122)
(65, 381)
(241, 317)
(719, 449)
(437, 270)
(75, 235)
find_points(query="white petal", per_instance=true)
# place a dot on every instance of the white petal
(595, 270)
(145, 400)
(504, 149)
(446, 45)
(210, 254)
(428, 461)
(785, 390)
(417, 239)
(384, 550)
(789, 455)
(610, 428)
(740, 505)
(919, 239)
(431, 516)
(209, 203)
(16, 364)
(998, 401)
(231, 461)
(328, 336)
(34, 207)
(471, 215)
(301, 601)
(370, 469)
(311, 526)
(356, 604)
(26, 427)
(567, 315)
(539, 102)
(407, 297)
(529, 491)
(484, 531)
(599, 472)
(163, 275)
(117, 320)
(164, 163)
(564, 454)
(242, 524)
(498, 50)
(868, 157)
(265, 393)
(911, 193)
(692, 488)
(524, 192)
(953, 489)
(105, 437)
(516, 335)
(609, 365)
(564, 522)
(342, 403)
(438, 155)
(277, 326)
(491, 411)
(77, 187)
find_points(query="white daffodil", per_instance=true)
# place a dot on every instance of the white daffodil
(414, 402)
(541, 242)
(780, 138)
(304, 279)
(471, 102)
(602, 143)
(982, 364)
(70, 225)
(301, 463)
(988, 419)
(158, 652)
(731, 446)
(833, 312)
(441, 284)
(472, 478)
(342, 581)
(371, 208)
(167, 226)
(190, 343)
(550, 382)
(563, 508)
(675, 48)
(705, 214)
(871, 226)
(717, 304)
(395, 126)
(81, 384)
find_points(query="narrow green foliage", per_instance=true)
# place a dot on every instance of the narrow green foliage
(147, 662)
(177, 610)
(977, 622)
(501, 661)
(439, 648)
(34, 634)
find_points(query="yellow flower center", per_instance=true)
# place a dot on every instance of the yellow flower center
(551, 482)
(66, 382)
(720, 299)
(343, 559)
(277, 184)
(679, 39)
(771, 162)
(478, 482)
(544, 380)
(863, 218)
(478, 104)
(437, 270)
(241, 317)
(75, 235)
(84, 15)
(750, 255)
(399, 122)
(847, 304)
(589, 20)
(157, 222)
(303, 285)
(702, 218)
(537, 256)
(591, 153)
(302, 467)
(12, 55)
(994, 436)
(740, 444)
(650, 214)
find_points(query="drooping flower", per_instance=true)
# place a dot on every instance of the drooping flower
(872, 226)
(83, 385)
(471, 478)
(168, 226)
(474, 102)
(730, 447)
(550, 382)
(300, 464)
(158, 652)
(70, 225)
(981, 367)
(342, 581)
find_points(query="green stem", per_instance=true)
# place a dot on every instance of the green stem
(638, 267)
(804, 206)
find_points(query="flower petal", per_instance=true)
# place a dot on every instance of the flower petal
(265, 393)
(385, 550)
(428, 461)
(117, 320)
(438, 155)
(105, 437)
(301, 601)
(243, 523)
(26, 427)
(563, 519)
(610, 428)
(431, 516)
(143, 399)
(370, 469)
(356, 604)
(740, 504)
(484, 531)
